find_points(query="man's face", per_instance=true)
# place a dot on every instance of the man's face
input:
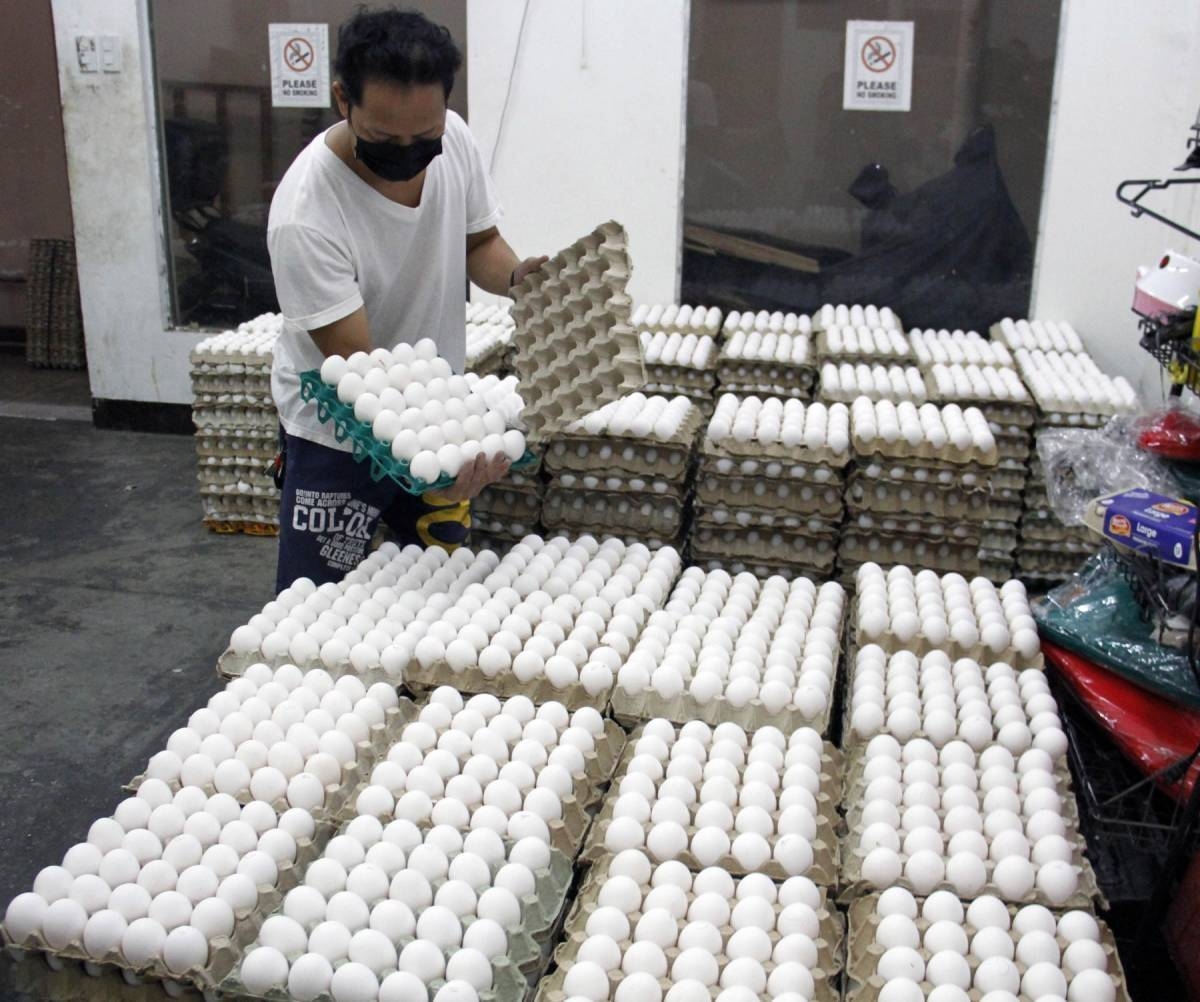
(395, 113)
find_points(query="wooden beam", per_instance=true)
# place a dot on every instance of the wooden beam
(704, 239)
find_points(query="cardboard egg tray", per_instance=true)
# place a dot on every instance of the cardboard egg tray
(883, 496)
(718, 516)
(619, 485)
(511, 973)
(684, 379)
(879, 389)
(1087, 895)
(598, 511)
(635, 456)
(943, 556)
(933, 472)
(777, 494)
(574, 347)
(231, 665)
(768, 545)
(968, 533)
(833, 348)
(337, 795)
(80, 968)
(825, 846)
(250, 445)
(863, 953)
(763, 452)
(920, 645)
(901, 449)
(825, 977)
(521, 503)
(230, 418)
(773, 469)
(735, 565)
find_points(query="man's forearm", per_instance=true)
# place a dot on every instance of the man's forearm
(490, 265)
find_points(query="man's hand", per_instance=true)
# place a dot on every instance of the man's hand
(527, 267)
(475, 476)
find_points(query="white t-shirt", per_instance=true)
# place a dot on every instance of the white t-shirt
(337, 244)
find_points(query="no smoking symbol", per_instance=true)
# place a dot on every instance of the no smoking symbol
(879, 54)
(298, 54)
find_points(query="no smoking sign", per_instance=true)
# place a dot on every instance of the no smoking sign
(878, 66)
(299, 65)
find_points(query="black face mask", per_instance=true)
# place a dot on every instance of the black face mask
(396, 161)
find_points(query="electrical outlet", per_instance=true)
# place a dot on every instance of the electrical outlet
(85, 52)
(110, 53)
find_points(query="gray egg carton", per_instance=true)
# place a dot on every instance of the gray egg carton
(863, 953)
(599, 510)
(574, 348)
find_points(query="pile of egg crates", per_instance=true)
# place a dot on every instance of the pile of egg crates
(679, 348)
(769, 486)
(237, 428)
(625, 469)
(969, 370)
(918, 491)
(489, 338)
(1070, 391)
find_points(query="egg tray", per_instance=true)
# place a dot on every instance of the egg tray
(967, 533)
(566, 833)
(635, 457)
(770, 546)
(684, 377)
(863, 953)
(735, 565)
(772, 495)
(731, 448)
(230, 420)
(829, 944)
(902, 449)
(605, 509)
(884, 497)
(920, 646)
(719, 516)
(824, 869)
(380, 738)
(232, 665)
(1087, 894)
(237, 399)
(507, 501)
(260, 451)
(619, 485)
(224, 952)
(499, 534)
(936, 473)
(829, 353)
(771, 469)
(365, 447)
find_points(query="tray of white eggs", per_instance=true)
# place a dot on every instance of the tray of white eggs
(900, 610)
(817, 491)
(287, 737)
(552, 622)
(512, 767)
(855, 315)
(774, 428)
(776, 550)
(1071, 389)
(971, 823)
(941, 698)
(906, 431)
(850, 343)
(412, 419)
(996, 390)
(846, 381)
(641, 931)
(640, 434)
(1047, 335)
(943, 347)
(735, 649)
(163, 888)
(677, 789)
(906, 949)
(394, 913)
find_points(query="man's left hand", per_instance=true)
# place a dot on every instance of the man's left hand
(475, 476)
(526, 268)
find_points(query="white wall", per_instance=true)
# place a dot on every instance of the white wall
(594, 128)
(111, 165)
(1125, 94)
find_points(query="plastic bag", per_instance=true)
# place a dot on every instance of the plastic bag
(1173, 432)
(1083, 464)
(1096, 615)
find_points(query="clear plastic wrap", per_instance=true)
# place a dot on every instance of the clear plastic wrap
(1083, 464)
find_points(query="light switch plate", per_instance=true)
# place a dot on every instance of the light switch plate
(110, 53)
(85, 51)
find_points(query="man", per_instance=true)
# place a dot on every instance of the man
(373, 232)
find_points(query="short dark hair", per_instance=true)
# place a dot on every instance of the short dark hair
(401, 46)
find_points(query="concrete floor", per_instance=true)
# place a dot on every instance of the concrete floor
(50, 394)
(114, 605)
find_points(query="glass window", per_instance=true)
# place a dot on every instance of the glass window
(224, 147)
(933, 211)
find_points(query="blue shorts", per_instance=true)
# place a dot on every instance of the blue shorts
(330, 508)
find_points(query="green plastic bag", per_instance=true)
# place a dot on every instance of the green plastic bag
(1096, 616)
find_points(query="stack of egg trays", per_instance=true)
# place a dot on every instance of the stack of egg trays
(231, 400)
(512, 973)
(737, 374)
(601, 482)
(365, 447)
(824, 869)
(742, 520)
(79, 975)
(863, 953)
(489, 328)
(575, 350)
(892, 480)
(852, 885)
(566, 833)
(337, 795)
(863, 343)
(830, 944)
(696, 380)
(510, 509)
(846, 381)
